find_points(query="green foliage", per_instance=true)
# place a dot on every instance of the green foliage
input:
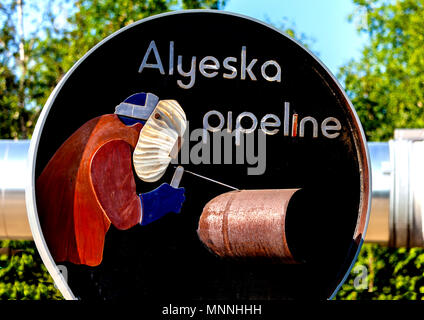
(386, 84)
(393, 274)
(23, 275)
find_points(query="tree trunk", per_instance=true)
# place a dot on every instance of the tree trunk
(23, 67)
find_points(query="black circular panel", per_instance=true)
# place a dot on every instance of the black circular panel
(166, 260)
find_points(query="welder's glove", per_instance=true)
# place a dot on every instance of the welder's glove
(157, 203)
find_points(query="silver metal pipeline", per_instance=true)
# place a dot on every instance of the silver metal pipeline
(13, 168)
(397, 214)
(407, 191)
(396, 217)
(378, 225)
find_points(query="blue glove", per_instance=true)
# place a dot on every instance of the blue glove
(159, 202)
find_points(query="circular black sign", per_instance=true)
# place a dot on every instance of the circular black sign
(229, 73)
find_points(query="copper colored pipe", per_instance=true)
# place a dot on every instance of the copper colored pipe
(247, 224)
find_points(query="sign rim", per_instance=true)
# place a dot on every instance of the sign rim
(30, 198)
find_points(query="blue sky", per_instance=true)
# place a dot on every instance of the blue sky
(325, 21)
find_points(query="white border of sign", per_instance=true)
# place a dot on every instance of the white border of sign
(30, 187)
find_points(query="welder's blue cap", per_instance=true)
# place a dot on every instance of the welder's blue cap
(138, 106)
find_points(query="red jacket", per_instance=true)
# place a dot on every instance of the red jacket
(87, 185)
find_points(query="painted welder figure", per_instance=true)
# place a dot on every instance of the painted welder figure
(89, 182)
